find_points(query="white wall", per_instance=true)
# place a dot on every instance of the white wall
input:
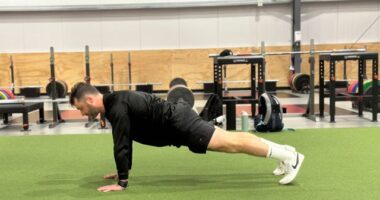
(21, 3)
(339, 22)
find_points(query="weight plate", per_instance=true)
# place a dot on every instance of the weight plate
(177, 81)
(181, 92)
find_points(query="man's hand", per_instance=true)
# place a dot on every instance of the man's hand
(108, 188)
(111, 176)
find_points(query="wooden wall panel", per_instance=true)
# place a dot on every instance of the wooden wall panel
(30, 69)
(4, 70)
(69, 67)
(152, 66)
(159, 66)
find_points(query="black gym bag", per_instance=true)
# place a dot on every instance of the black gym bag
(212, 110)
(269, 118)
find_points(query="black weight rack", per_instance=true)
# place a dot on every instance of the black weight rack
(362, 58)
(255, 62)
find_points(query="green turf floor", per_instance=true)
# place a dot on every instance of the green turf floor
(340, 164)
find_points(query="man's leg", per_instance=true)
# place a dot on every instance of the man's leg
(239, 142)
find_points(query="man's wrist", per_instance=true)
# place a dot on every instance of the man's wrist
(123, 183)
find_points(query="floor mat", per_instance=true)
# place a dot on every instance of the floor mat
(70, 167)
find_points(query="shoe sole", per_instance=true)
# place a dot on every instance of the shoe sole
(301, 158)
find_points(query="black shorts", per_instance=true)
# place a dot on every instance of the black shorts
(191, 130)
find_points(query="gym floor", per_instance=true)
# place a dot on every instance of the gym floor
(70, 164)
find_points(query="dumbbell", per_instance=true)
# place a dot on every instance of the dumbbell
(180, 92)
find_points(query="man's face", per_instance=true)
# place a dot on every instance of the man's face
(86, 106)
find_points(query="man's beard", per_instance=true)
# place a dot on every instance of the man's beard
(92, 113)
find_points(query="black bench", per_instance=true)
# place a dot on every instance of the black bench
(23, 108)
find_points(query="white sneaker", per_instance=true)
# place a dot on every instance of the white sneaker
(292, 167)
(280, 169)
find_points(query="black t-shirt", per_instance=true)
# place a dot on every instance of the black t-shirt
(142, 117)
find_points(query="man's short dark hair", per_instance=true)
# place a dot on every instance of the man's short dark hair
(79, 90)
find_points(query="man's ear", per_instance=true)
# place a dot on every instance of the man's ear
(89, 99)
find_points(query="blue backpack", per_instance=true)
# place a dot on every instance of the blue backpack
(269, 118)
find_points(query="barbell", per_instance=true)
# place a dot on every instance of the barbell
(24, 101)
(226, 81)
(125, 84)
(294, 52)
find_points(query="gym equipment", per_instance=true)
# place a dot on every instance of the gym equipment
(300, 82)
(3, 96)
(208, 86)
(359, 96)
(7, 109)
(255, 62)
(226, 52)
(367, 84)
(61, 88)
(352, 87)
(23, 106)
(129, 70)
(177, 81)
(127, 84)
(367, 87)
(112, 77)
(9, 93)
(367, 102)
(6, 94)
(87, 79)
(341, 86)
(25, 101)
(11, 66)
(30, 91)
(56, 114)
(226, 81)
(145, 88)
(295, 52)
(103, 89)
(180, 92)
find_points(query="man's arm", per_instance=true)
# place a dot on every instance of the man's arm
(114, 175)
(130, 154)
(121, 137)
(122, 149)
